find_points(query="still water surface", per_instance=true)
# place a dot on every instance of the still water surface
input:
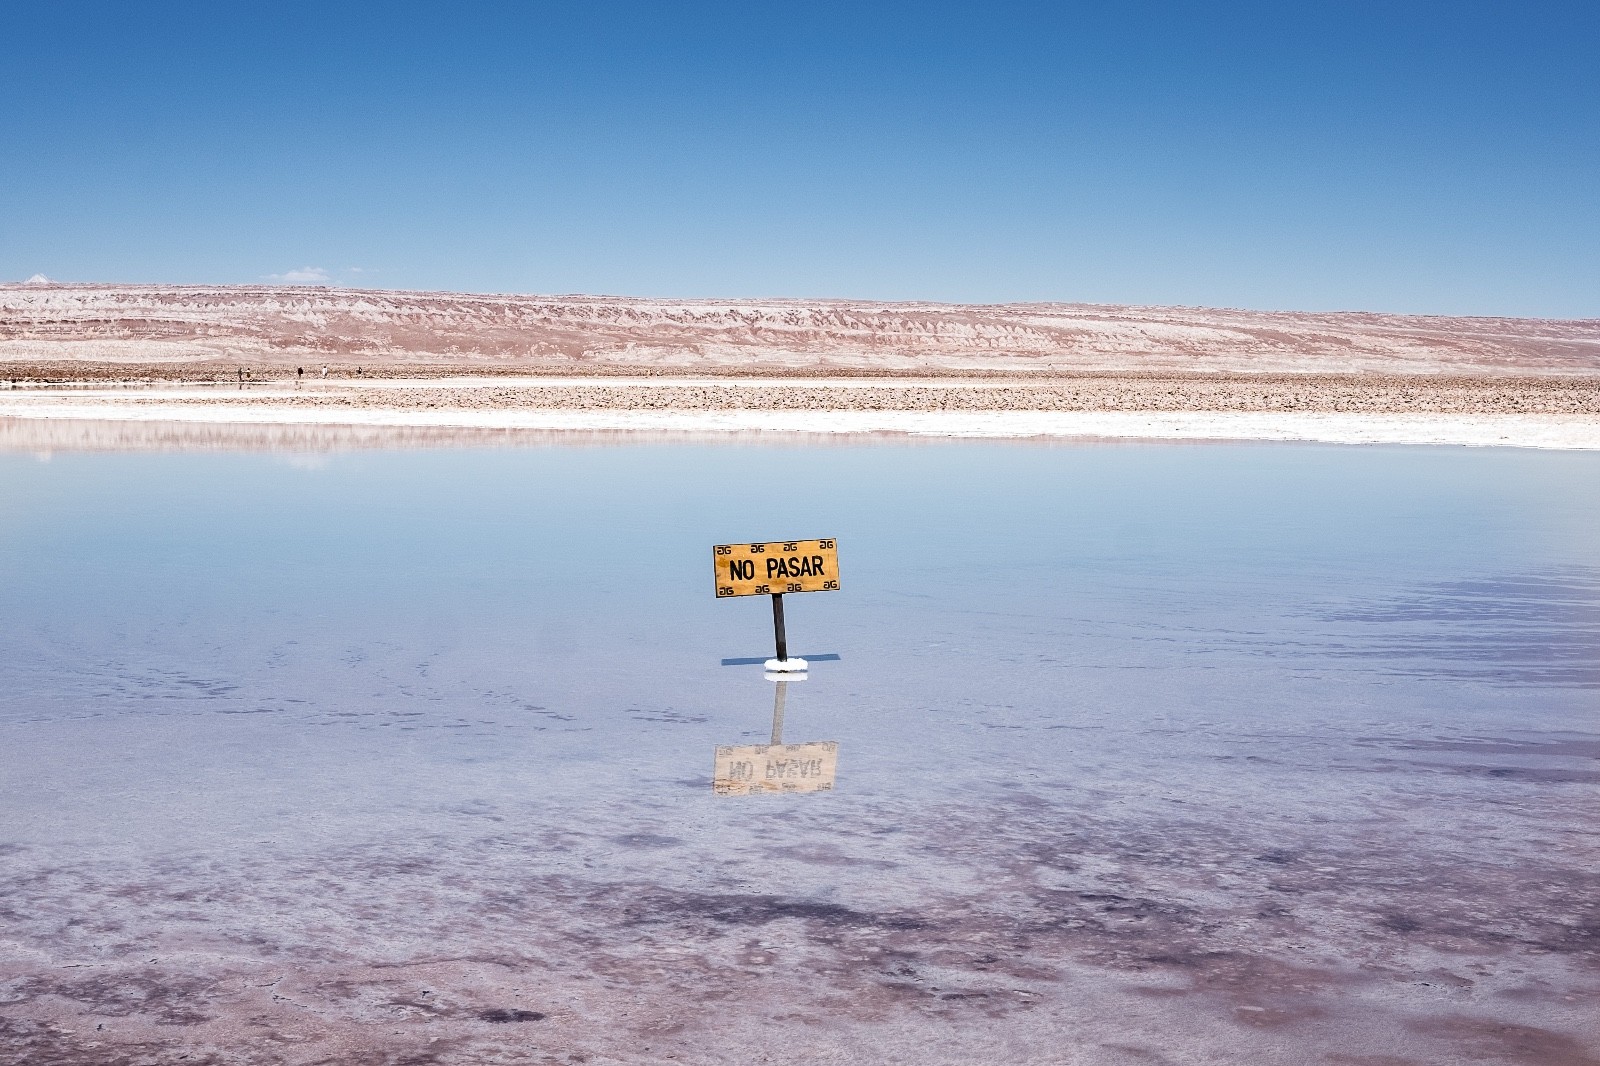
(1145, 754)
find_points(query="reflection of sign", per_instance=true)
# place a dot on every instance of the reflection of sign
(776, 567)
(776, 768)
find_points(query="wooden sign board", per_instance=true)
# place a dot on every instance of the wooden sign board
(776, 567)
(741, 770)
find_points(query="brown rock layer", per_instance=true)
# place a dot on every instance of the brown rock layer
(44, 328)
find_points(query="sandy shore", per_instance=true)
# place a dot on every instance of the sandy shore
(1522, 412)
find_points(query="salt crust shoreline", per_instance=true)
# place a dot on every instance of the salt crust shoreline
(1544, 431)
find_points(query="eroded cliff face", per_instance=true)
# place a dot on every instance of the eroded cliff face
(291, 324)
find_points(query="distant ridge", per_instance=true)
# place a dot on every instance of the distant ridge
(47, 322)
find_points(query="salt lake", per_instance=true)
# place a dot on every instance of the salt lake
(1145, 754)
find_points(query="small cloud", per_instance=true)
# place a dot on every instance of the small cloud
(302, 276)
(357, 270)
(38, 279)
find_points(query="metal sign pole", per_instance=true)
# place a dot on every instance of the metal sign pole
(777, 626)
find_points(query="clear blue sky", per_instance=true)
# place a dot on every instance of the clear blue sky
(1390, 156)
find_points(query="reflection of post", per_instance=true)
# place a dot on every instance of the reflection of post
(777, 711)
(742, 769)
(777, 626)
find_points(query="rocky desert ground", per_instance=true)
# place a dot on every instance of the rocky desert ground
(170, 330)
(263, 354)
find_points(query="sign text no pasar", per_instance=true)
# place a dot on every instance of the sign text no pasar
(775, 567)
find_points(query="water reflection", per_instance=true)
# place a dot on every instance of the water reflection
(743, 769)
(1536, 628)
(46, 436)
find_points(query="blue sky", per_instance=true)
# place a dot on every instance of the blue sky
(1385, 156)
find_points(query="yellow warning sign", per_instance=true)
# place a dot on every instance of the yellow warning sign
(776, 567)
(743, 769)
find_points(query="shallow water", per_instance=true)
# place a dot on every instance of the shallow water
(1146, 753)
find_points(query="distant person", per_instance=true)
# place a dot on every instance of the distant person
(324, 370)
(299, 372)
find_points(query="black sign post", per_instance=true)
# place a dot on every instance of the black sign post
(777, 627)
